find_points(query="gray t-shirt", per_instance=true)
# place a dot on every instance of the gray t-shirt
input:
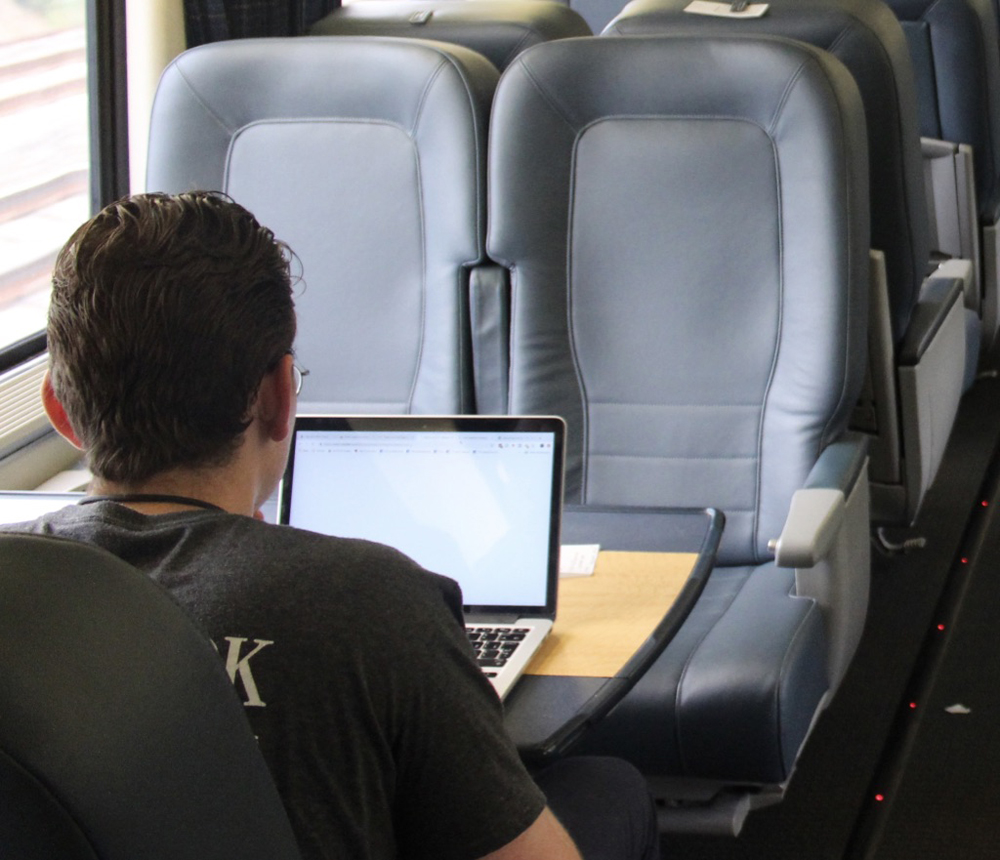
(383, 736)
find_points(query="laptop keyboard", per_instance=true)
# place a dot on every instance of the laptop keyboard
(494, 645)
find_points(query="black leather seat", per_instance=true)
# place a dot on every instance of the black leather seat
(687, 224)
(121, 736)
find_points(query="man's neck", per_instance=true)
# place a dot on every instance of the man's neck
(239, 486)
(181, 490)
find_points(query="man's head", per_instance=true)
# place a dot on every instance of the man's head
(167, 312)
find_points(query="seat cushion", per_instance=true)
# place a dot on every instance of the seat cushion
(728, 699)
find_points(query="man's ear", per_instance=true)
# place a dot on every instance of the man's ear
(276, 400)
(57, 414)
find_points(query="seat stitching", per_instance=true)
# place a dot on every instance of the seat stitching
(571, 332)
(424, 95)
(201, 100)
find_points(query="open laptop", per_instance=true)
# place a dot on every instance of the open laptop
(19, 506)
(476, 498)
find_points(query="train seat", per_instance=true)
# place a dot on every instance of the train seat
(919, 365)
(598, 13)
(497, 29)
(120, 733)
(367, 156)
(955, 45)
(690, 293)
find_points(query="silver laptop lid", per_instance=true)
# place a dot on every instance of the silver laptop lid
(476, 498)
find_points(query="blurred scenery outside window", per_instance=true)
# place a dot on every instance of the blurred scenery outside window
(44, 147)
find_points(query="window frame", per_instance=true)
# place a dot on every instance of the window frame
(107, 91)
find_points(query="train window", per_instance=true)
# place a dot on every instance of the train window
(44, 142)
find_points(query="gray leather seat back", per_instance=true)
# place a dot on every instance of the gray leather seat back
(120, 733)
(867, 38)
(598, 13)
(366, 156)
(689, 265)
(498, 29)
(956, 55)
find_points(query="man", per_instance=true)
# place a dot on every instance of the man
(170, 337)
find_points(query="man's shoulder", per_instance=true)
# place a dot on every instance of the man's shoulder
(255, 547)
(364, 567)
(47, 524)
(372, 594)
(230, 552)
(354, 554)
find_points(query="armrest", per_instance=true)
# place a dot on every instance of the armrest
(937, 298)
(931, 147)
(956, 268)
(489, 318)
(814, 518)
(950, 185)
(817, 512)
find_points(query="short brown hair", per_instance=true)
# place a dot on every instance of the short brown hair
(166, 313)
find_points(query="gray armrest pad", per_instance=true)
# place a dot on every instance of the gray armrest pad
(931, 147)
(937, 297)
(816, 513)
(814, 518)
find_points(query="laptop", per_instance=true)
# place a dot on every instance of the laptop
(19, 506)
(476, 498)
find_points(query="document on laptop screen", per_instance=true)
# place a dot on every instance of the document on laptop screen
(474, 506)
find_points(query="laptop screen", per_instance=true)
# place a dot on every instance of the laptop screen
(477, 499)
(22, 506)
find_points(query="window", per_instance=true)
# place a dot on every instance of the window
(44, 151)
